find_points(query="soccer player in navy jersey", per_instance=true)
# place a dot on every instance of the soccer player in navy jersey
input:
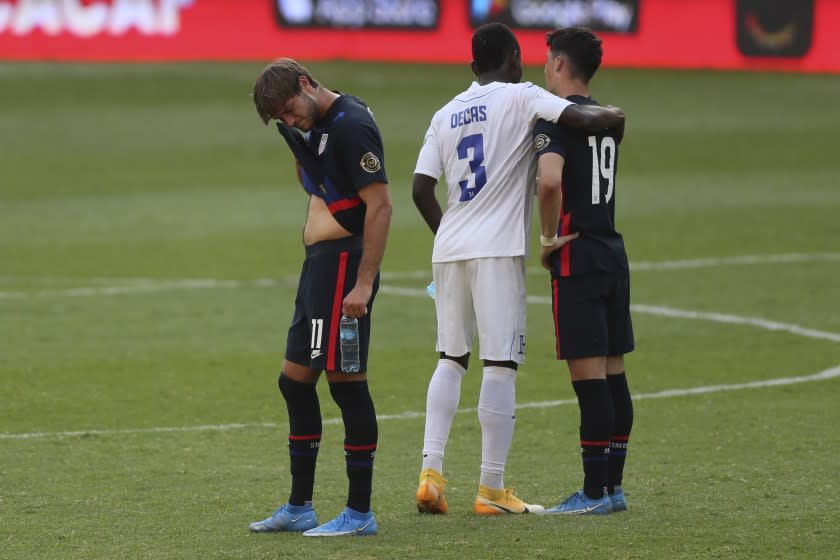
(590, 282)
(340, 163)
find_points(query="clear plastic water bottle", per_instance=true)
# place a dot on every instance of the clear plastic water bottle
(348, 337)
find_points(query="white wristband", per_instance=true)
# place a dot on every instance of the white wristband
(547, 241)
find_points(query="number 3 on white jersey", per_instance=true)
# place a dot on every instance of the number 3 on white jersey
(474, 142)
(605, 169)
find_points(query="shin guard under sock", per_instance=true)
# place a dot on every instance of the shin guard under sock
(622, 425)
(304, 436)
(360, 438)
(596, 425)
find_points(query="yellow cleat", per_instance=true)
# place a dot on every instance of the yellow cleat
(430, 492)
(493, 501)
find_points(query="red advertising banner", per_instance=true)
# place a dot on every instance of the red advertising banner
(799, 35)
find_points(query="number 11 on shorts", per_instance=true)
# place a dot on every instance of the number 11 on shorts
(317, 332)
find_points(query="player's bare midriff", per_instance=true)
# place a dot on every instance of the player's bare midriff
(320, 224)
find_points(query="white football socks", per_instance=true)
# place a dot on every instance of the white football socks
(496, 412)
(441, 405)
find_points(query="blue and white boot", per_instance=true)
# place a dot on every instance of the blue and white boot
(287, 518)
(619, 502)
(581, 504)
(349, 523)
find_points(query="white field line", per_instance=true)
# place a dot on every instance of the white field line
(149, 286)
(680, 264)
(413, 292)
(830, 373)
(735, 320)
(660, 311)
(126, 286)
(736, 260)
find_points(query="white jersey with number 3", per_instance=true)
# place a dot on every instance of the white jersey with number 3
(481, 142)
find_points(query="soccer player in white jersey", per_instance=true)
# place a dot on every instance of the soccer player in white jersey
(481, 142)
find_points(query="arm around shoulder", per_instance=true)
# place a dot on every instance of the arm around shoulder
(592, 117)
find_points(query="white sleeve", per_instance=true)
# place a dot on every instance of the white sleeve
(543, 104)
(429, 161)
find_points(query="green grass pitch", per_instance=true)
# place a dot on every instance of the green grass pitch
(149, 245)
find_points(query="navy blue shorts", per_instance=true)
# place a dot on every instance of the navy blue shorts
(328, 275)
(592, 315)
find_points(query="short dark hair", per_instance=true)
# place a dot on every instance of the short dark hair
(277, 83)
(492, 44)
(581, 46)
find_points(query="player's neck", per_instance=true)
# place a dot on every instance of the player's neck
(490, 77)
(325, 98)
(574, 88)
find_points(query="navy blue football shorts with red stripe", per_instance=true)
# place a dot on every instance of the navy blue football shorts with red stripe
(328, 275)
(592, 315)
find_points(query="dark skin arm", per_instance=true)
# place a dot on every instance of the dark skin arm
(423, 193)
(593, 118)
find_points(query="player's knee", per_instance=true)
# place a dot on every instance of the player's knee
(498, 376)
(351, 394)
(508, 364)
(294, 390)
(302, 405)
(285, 384)
(357, 410)
(463, 361)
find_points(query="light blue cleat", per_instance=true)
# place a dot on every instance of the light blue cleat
(619, 502)
(581, 504)
(349, 523)
(287, 518)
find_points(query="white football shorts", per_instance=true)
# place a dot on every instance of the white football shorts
(483, 293)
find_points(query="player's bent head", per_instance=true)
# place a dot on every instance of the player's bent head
(276, 84)
(493, 46)
(581, 47)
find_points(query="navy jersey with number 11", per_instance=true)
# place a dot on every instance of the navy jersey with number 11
(589, 173)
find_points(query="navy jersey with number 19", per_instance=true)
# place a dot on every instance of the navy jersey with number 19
(589, 175)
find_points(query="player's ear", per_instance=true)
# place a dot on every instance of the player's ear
(516, 59)
(557, 63)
